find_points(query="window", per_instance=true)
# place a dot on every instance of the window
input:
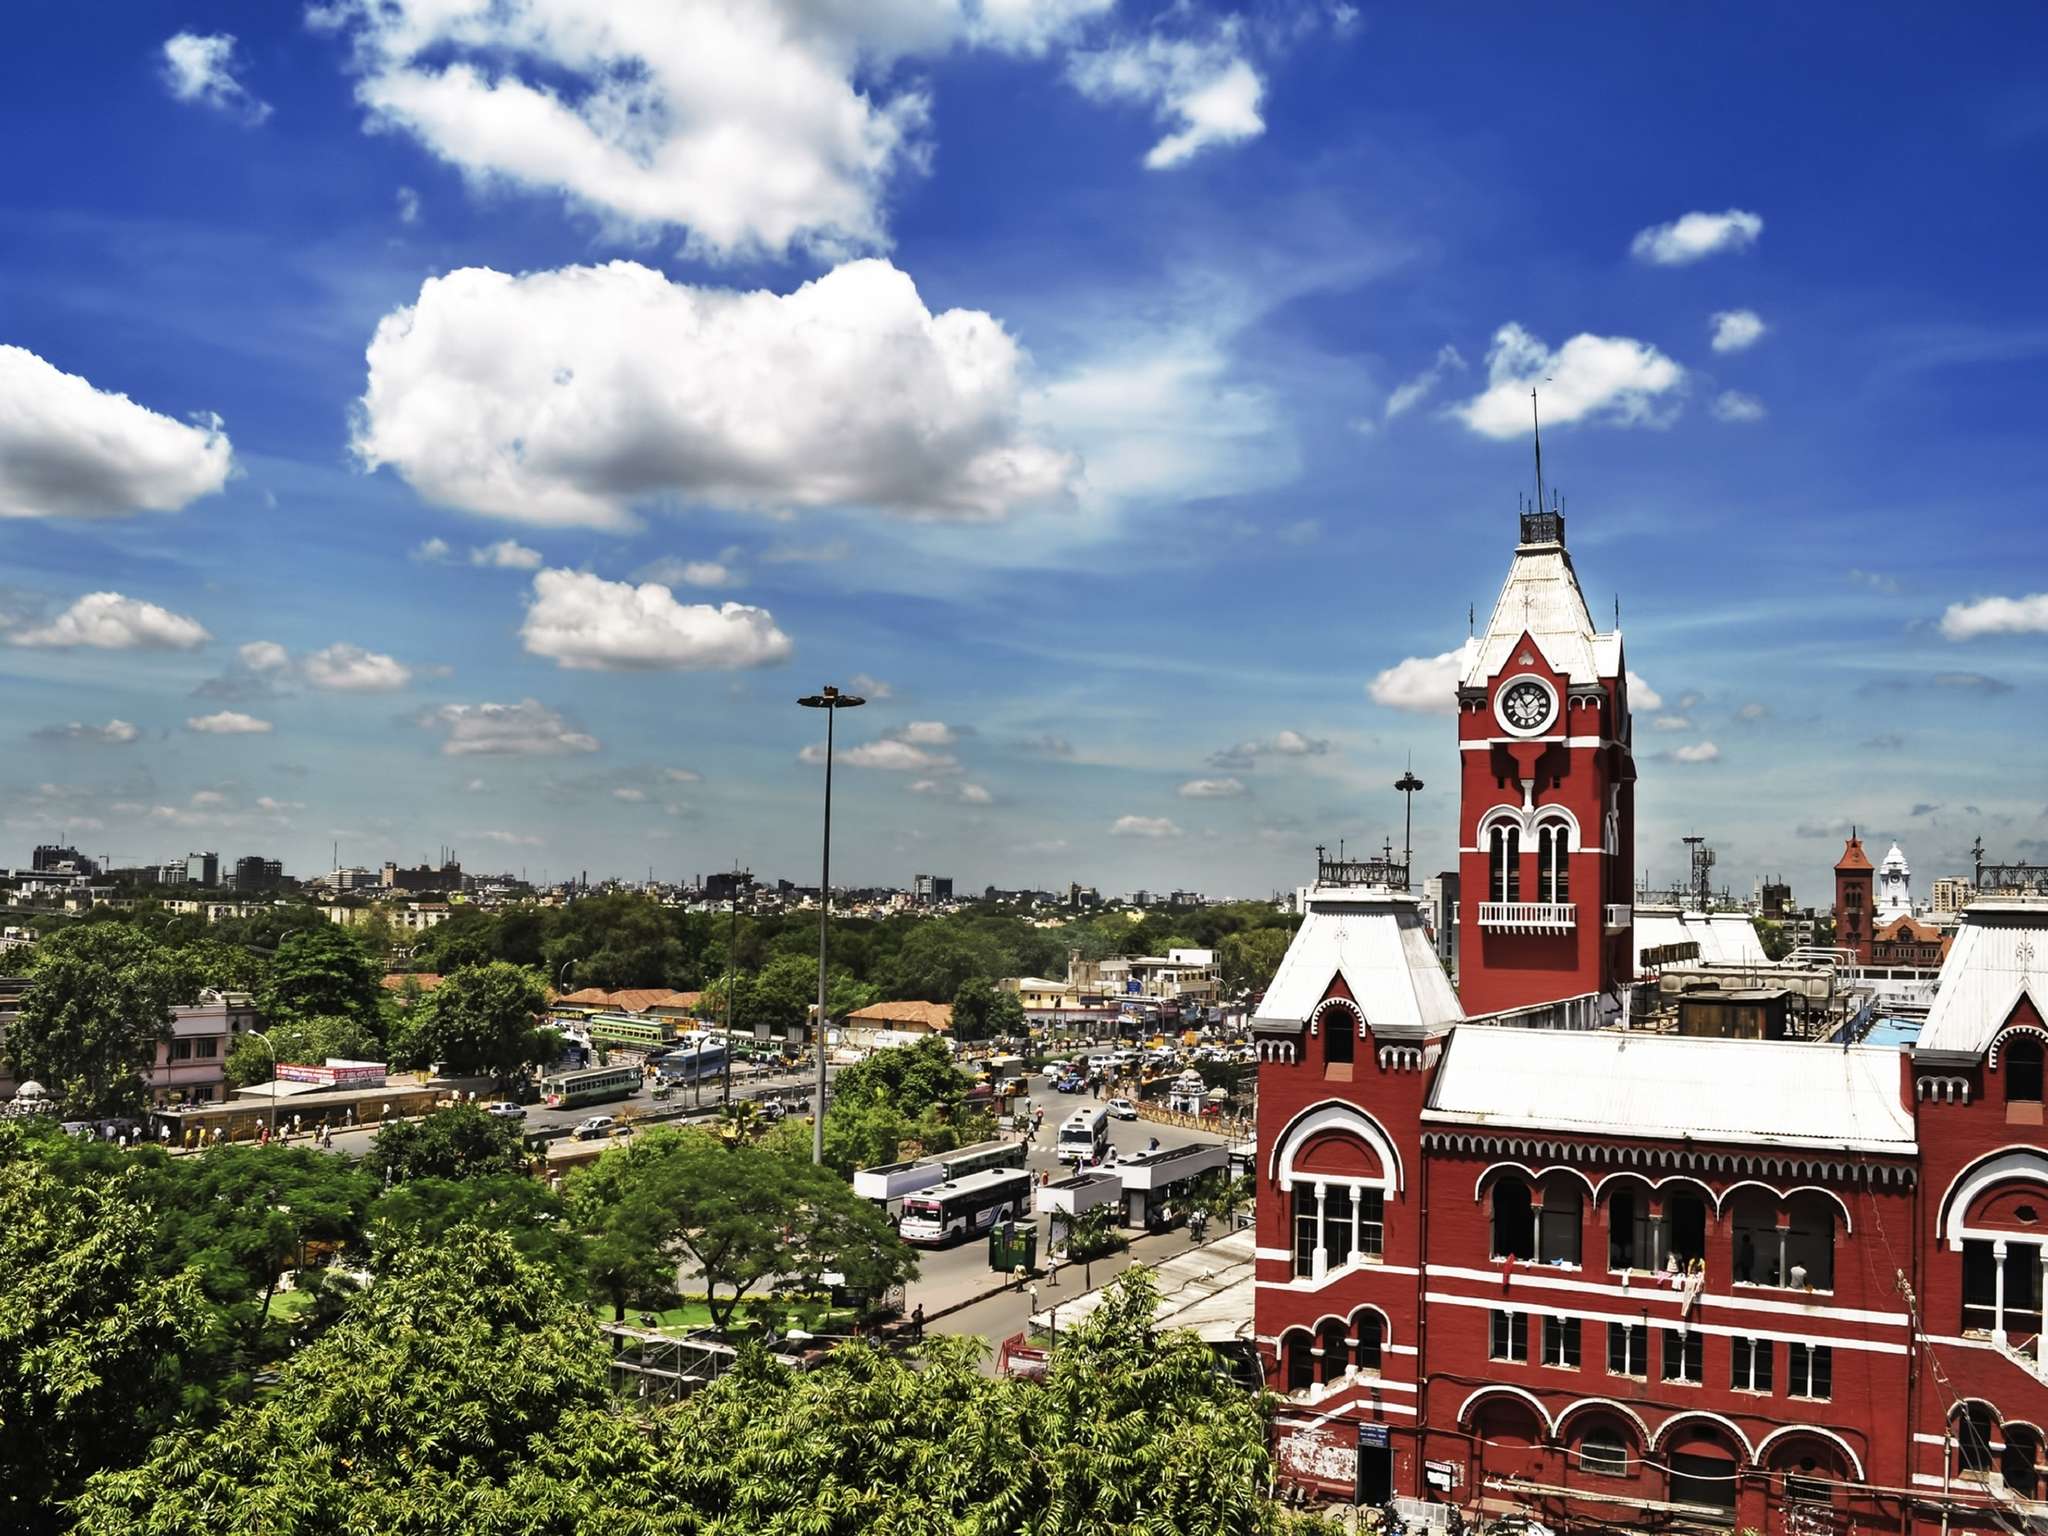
(1510, 1336)
(1505, 879)
(1605, 1452)
(1301, 1364)
(1561, 1342)
(1980, 1286)
(1336, 1226)
(1800, 1254)
(1684, 1356)
(1336, 1352)
(1553, 863)
(1810, 1370)
(1628, 1349)
(1750, 1365)
(207, 1049)
(1973, 1438)
(1627, 1233)
(1371, 1334)
(1558, 1239)
(181, 1050)
(1305, 1230)
(1372, 1225)
(1855, 895)
(2022, 1070)
(2016, 1461)
(1514, 1227)
(1340, 1036)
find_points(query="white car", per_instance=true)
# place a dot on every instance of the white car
(595, 1127)
(505, 1109)
(1122, 1109)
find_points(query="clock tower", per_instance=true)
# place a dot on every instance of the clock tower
(1546, 819)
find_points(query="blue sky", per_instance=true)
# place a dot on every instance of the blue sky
(522, 409)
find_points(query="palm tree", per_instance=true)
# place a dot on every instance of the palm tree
(1090, 1236)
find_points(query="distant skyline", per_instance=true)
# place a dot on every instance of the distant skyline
(417, 432)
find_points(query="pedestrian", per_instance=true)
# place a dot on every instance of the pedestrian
(163, 1135)
(1052, 1268)
(1034, 1302)
(917, 1323)
(295, 1125)
(1017, 1274)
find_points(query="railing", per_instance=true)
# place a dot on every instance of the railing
(1620, 914)
(1529, 916)
(1388, 872)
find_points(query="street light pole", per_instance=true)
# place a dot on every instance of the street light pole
(1408, 784)
(260, 1035)
(732, 980)
(831, 700)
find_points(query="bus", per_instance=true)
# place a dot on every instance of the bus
(597, 1085)
(981, 1157)
(960, 1208)
(1084, 1135)
(625, 1029)
(697, 1060)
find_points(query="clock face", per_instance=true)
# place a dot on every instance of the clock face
(1525, 706)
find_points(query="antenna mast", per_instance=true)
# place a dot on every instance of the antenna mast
(1536, 420)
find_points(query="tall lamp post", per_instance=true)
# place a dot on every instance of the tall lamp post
(831, 700)
(1408, 784)
(258, 1034)
(732, 980)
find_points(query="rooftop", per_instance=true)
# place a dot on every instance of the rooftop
(1989, 968)
(1541, 598)
(1376, 941)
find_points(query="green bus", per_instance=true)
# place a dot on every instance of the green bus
(625, 1029)
(595, 1085)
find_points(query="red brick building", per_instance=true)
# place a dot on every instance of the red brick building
(1633, 1280)
(1855, 900)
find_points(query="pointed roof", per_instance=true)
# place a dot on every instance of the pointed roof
(1541, 598)
(1896, 859)
(2000, 955)
(1376, 941)
(1853, 856)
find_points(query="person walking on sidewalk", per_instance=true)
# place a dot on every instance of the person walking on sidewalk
(917, 1323)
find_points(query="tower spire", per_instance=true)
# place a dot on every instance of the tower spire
(1536, 419)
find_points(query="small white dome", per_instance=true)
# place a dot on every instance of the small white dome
(31, 1090)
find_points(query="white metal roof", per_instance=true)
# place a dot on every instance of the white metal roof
(1542, 596)
(2000, 952)
(1376, 941)
(1723, 937)
(1769, 1092)
(1208, 1289)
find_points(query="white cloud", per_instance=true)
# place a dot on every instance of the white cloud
(1423, 685)
(1285, 744)
(630, 795)
(200, 69)
(507, 839)
(1734, 405)
(70, 450)
(1416, 390)
(682, 775)
(1752, 712)
(351, 669)
(1697, 752)
(870, 687)
(115, 733)
(228, 722)
(888, 755)
(563, 398)
(1155, 827)
(1695, 237)
(264, 656)
(1641, 695)
(1997, 616)
(689, 573)
(953, 789)
(757, 126)
(975, 794)
(926, 733)
(1877, 581)
(107, 621)
(526, 729)
(408, 206)
(1205, 91)
(278, 807)
(1737, 329)
(1212, 789)
(588, 623)
(1606, 380)
(430, 551)
(1672, 723)
(506, 555)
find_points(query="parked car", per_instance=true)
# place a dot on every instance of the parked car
(505, 1109)
(772, 1110)
(596, 1127)
(1122, 1109)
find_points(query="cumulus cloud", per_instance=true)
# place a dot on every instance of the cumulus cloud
(201, 69)
(1695, 752)
(1736, 330)
(1641, 695)
(228, 722)
(755, 126)
(351, 669)
(107, 621)
(1672, 723)
(870, 687)
(1695, 237)
(953, 789)
(587, 623)
(1246, 754)
(408, 206)
(264, 656)
(690, 573)
(1734, 405)
(1203, 90)
(1155, 827)
(115, 733)
(526, 729)
(68, 449)
(889, 755)
(1981, 616)
(1423, 685)
(1602, 380)
(1418, 389)
(506, 555)
(563, 398)
(429, 551)
(927, 733)
(1212, 789)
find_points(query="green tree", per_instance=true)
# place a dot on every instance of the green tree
(1246, 962)
(98, 1002)
(93, 1344)
(516, 1205)
(459, 1142)
(481, 1018)
(1090, 1236)
(300, 1040)
(913, 1078)
(323, 972)
(972, 1006)
(936, 956)
(410, 1415)
(224, 967)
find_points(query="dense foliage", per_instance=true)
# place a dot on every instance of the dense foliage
(481, 1018)
(98, 1003)
(459, 1142)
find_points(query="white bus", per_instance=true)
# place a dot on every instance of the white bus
(963, 1207)
(1084, 1135)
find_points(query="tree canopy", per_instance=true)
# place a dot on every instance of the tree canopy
(323, 971)
(98, 1003)
(482, 1018)
(459, 1142)
(310, 1040)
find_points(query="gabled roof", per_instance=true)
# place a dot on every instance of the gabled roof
(2000, 954)
(1673, 1087)
(1541, 598)
(1853, 856)
(1377, 943)
(935, 1016)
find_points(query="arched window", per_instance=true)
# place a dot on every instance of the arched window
(2017, 1462)
(1553, 862)
(1370, 1332)
(1300, 1361)
(1604, 1448)
(1340, 1036)
(1563, 1208)
(1336, 1351)
(1514, 1223)
(2022, 1070)
(1974, 1427)
(1504, 882)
